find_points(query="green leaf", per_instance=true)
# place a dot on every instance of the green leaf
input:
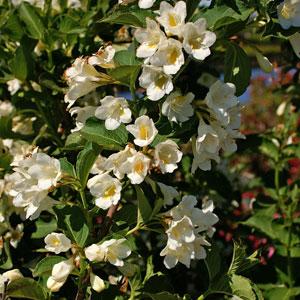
(240, 261)
(66, 167)
(281, 293)
(14, 28)
(44, 266)
(237, 67)
(43, 228)
(213, 262)
(85, 160)
(95, 131)
(20, 63)
(129, 15)
(126, 75)
(5, 258)
(74, 141)
(72, 220)
(269, 149)
(32, 20)
(70, 26)
(25, 288)
(144, 208)
(126, 58)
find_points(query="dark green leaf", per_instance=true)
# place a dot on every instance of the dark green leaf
(72, 220)
(25, 288)
(237, 67)
(144, 208)
(85, 161)
(34, 24)
(66, 167)
(126, 75)
(44, 266)
(95, 131)
(43, 228)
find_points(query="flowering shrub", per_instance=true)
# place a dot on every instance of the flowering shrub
(115, 128)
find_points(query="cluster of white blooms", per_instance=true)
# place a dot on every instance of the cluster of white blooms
(32, 179)
(113, 251)
(163, 50)
(289, 13)
(188, 228)
(220, 130)
(83, 77)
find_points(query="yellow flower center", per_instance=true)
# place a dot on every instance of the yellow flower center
(56, 242)
(144, 132)
(139, 167)
(172, 20)
(110, 191)
(172, 57)
(288, 11)
(160, 82)
(195, 43)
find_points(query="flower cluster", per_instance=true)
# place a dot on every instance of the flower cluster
(188, 228)
(220, 128)
(163, 50)
(34, 176)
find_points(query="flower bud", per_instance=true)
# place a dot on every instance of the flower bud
(264, 62)
(281, 108)
(53, 285)
(62, 270)
(97, 283)
(13, 274)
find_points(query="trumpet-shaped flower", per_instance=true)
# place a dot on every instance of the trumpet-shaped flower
(57, 243)
(169, 56)
(104, 58)
(289, 13)
(143, 130)
(167, 155)
(172, 18)
(83, 78)
(150, 39)
(197, 40)
(156, 82)
(136, 167)
(113, 251)
(178, 107)
(106, 189)
(82, 114)
(114, 111)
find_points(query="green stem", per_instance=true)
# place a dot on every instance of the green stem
(83, 199)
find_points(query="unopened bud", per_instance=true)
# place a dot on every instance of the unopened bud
(264, 62)
(97, 283)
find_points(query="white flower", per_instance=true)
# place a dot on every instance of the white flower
(42, 168)
(115, 161)
(82, 114)
(114, 111)
(172, 18)
(220, 98)
(169, 193)
(150, 38)
(8, 277)
(23, 125)
(264, 62)
(13, 85)
(136, 167)
(197, 40)
(97, 283)
(178, 108)
(106, 189)
(183, 254)
(146, 3)
(99, 165)
(6, 108)
(57, 243)
(180, 232)
(208, 139)
(202, 159)
(74, 4)
(156, 82)
(167, 155)
(143, 130)
(103, 58)
(169, 56)
(295, 42)
(83, 78)
(59, 275)
(281, 109)
(289, 13)
(113, 251)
